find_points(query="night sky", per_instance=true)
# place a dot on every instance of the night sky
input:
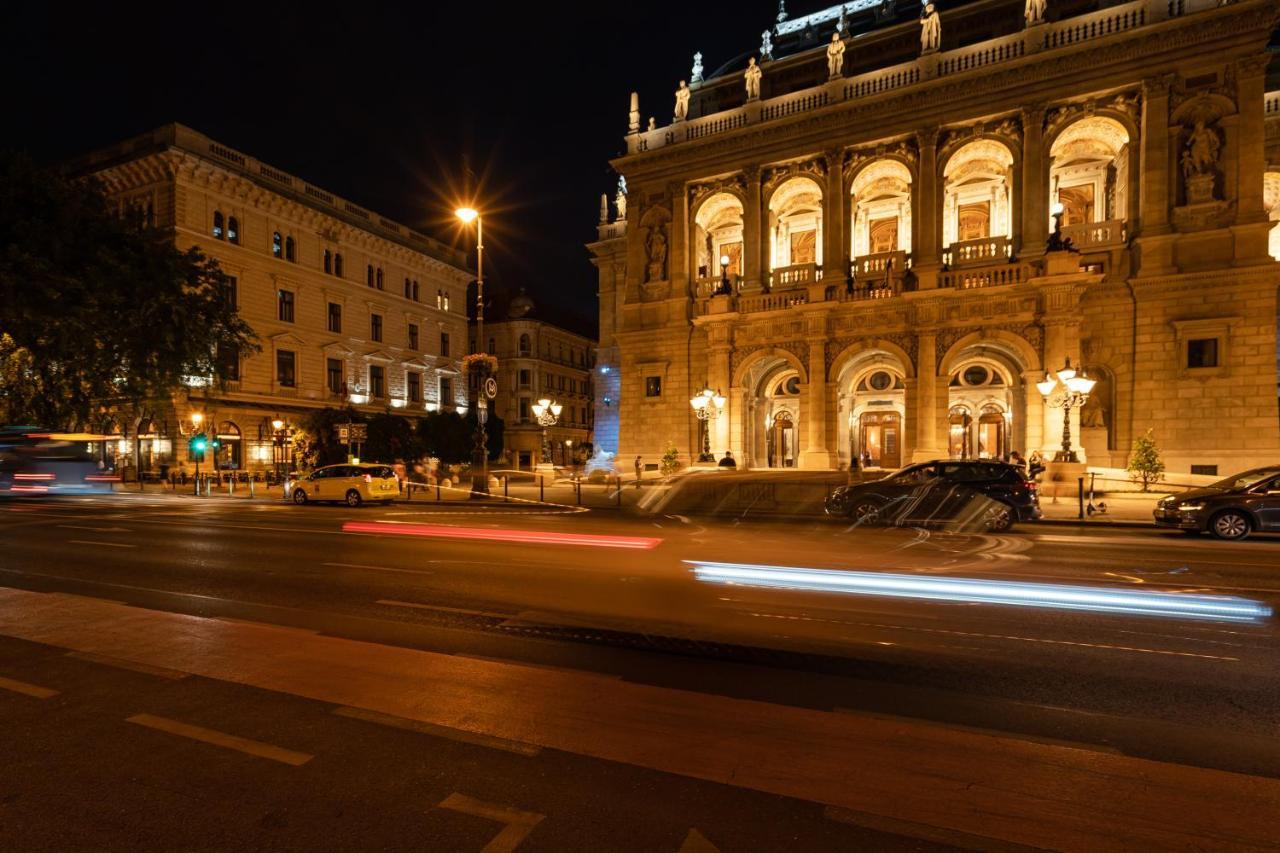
(387, 107)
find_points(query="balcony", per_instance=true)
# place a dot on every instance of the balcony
(991, 275)
(985, 250)
(863, 291)
(772, 301)
(1096, 234)
(797, 275)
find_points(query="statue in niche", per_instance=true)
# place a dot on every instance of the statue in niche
(696, 76)
(752, 78)
(835, 56)
(620, 198)
(656, 246)
(1034, 11)
(682, 101)
(1092, 414)
(1200, 162)
(930, 29)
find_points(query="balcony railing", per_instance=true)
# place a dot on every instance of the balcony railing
(772, 301)
(1096, 234)
(981, 251)
(873, 266)
(863, 291)
(795, 275)
(992, 275)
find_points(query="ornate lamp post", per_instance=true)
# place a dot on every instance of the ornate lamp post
(1067, 390)
(707, 405)
(725, 288)
(479, 366)
(281, 433)
(547, 413)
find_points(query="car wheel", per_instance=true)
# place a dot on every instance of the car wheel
(299, 497)
(998, 518)
(865, 512)
(1230, 524)
(353, 498)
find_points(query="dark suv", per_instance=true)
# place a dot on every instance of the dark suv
(982, 493)
(1230, 508)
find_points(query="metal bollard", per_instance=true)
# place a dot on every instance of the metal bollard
(1080, 483)
(251, 490)
(231, 487)
(619, 482)
(506, 489)
(437, 491)
(578, 488)
(542, 489)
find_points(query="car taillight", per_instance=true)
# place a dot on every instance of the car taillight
(368, 478)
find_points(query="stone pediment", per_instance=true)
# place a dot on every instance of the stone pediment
(286, 338)
(378, 355)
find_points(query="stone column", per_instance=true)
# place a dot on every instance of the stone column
(1035, 203)
(816, 453)
(752, 233)
(925, 401)
(1251, 132)
(1033, 420)
(678, 248)
(718, 377)
(1154, 187)
(835, 254)
(926, 214)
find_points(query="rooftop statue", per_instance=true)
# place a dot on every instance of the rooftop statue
(620, 198)
(682, 101)
(696, 76)
(835, 56)
(752, 76)
(766, 45)
(930, 29)
(1035, 11)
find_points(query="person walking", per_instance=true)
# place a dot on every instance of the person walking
(639, 470)
(728, 461)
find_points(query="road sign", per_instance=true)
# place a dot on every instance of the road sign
(359, 432)
(491, 387)
(344, 435)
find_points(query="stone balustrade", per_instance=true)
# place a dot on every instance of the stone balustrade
(794, 276)
(863, 291)
(984, 250)
(991, 275)
(1096, 234)
(873, 266)
(1056, 35)
(772, 301)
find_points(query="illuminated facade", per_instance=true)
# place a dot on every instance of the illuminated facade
(858, 260)
(350, 308)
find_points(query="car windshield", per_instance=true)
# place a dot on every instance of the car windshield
(1247, 479)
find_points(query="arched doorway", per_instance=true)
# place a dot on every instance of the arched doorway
(871, 385)
(773, 410)
(992, 432)
(959, 422)
(980, 415)
(230, 455)
(783, 447)
(880, 440)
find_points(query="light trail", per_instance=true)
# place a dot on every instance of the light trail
(979, 591)
(524, 537)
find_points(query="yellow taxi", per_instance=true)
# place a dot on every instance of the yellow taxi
(351, 484)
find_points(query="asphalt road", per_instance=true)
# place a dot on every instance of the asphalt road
(1190, 691)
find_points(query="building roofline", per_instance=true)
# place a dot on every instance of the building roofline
(189, 141)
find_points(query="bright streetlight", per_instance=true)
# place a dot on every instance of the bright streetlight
(480, 367)
(547, 413)
(707, 405)
(1067, 390)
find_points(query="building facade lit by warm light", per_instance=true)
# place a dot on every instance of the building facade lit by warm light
(858, 260)
(351, 308)
(538, 359)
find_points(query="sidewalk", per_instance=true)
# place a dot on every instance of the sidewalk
(1122, 509)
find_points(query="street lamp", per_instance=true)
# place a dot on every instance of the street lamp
(1068, 390)
(707, 405)
(1056, 242)
(547, 413)
(479, 366)
(725, 288)
(281, 433)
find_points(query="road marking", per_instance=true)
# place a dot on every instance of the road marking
(924, 832)
(518, 823)
(379, 568)
(217, 738)
(26, 689)
(696, 842)
(101, 544)
(463, 610)
(529, 750)
(118, 663)
(94, 529)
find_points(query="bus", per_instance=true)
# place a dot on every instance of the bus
(38, 462)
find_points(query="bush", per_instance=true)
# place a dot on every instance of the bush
(1145, 465)
(670, 460)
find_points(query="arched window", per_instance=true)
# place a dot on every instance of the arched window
(446, 300)
(1271, 201)
(881, 196)
(233, 230)
(408, 288)
(277, 244)
(328, 261)
(719, 234)
(369, 275)
(337, 264)
(795, 231)
(217, 225)
(379, 278)
(289, 253)
(524, 344)
(976, 201)
(439, 298)
(415, 291)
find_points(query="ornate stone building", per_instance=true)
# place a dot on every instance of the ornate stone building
(538, 359)
(856, 257)
(350, 308)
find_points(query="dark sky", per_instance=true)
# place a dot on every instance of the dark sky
(384, 106)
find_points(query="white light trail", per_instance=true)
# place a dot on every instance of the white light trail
(980, 591)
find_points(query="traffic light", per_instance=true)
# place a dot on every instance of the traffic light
(197, 446)
(216, 443)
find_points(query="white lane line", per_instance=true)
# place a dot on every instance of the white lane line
(518, 823)
(100, 544)
(26, 689)
(94, 529)
(222, 739)
(379, 568)
(529, 750)
(120, 663)
(463, 610)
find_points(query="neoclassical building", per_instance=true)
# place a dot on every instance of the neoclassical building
(350, 308)
(852, 247)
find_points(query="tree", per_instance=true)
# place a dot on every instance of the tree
(317, 441)
(450, 437)
(1145, 464)
(97, 307)
(392, 438)
(670, 460)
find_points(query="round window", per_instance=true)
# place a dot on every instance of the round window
(976, 375)
(791, 386)
(880, 381)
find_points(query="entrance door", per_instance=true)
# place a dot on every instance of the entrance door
(991, 436)
(881, 446)
(782, 442)
(958, 434)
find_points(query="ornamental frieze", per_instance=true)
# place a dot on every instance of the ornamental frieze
(736, 184)
(815, 168)
(908, 342)
(857, 158)
(741, 353)
(1057, 118)
(1009, 129)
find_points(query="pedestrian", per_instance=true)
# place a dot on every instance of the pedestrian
(1015, 458)
(1035, 465)
(728, 461)
(639, 470)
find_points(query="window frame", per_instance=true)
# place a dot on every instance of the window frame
(286, 303)
(293, 368)
(334, 317)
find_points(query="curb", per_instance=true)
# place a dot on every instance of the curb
(1087, 522)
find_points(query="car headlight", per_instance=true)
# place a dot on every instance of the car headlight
(1168, 503)
(1190, 507)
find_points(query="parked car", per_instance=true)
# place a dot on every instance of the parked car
(351, 484)
(981, 493)
(1229, 509)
